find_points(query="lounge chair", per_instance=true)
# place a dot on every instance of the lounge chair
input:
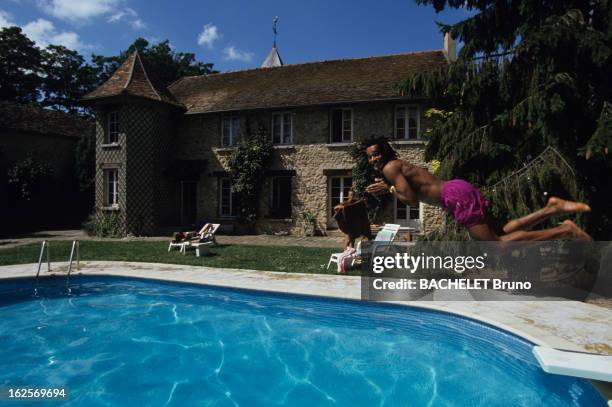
(202, 242)
(384, 238)
(206, 234)
(210, 235)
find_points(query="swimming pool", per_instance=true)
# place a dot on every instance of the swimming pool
(119, 341)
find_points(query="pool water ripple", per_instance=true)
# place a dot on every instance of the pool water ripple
(117, 341)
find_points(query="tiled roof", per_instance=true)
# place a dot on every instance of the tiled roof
(32, 119)
(327, 82)
(132, 79)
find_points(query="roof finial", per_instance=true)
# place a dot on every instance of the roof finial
(274, 25)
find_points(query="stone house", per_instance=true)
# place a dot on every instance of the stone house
(162, 153)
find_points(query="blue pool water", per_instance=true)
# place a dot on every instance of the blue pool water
(114, 341)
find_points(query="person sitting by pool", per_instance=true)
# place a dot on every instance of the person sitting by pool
(411, 184)
(352, 218)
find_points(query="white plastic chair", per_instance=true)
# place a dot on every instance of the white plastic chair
(383, 238)
(335, 257)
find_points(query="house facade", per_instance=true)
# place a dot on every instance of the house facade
(163, 153)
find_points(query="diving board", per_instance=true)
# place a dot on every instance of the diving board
(577, 364)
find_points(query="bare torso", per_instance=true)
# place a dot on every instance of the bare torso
(425, 185)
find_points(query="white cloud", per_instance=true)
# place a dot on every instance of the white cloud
(82, 11)
(208, 36)
(5, 19)
(138, 24)
(43, 33)
(79, 10)
(130, 15)
(230, 53)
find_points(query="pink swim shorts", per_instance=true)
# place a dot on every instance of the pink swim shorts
(464, 201)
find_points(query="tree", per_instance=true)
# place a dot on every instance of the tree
(67, 78)
(20, 65)
(163, 63)
(531, 74)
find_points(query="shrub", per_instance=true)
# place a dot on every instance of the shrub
(103, 224)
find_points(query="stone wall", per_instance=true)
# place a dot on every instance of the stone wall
(312, 157)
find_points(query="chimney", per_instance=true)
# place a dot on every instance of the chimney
(450, 48)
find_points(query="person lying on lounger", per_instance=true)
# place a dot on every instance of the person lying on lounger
(189, 235)
(411, 184)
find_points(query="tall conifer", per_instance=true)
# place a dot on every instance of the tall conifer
(531, 74)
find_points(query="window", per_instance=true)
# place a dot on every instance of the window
(282, 128)
(228, 202)
(338, 191)
(407, 215)
(341, 125)
(280, 205)
(407, 123)
(113, 127)
(111, 187)
(230, 131)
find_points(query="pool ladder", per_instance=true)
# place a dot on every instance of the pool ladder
(45, 245)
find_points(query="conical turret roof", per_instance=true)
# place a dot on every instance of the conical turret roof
(131, 79)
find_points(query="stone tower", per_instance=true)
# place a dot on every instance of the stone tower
(134, 122)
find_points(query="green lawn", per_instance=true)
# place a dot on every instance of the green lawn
(271, 258)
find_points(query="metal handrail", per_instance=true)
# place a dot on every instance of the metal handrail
(75, 244)
(44, 245)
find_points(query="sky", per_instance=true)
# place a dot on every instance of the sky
(234, 34)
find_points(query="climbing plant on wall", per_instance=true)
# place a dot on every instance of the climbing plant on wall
(248, 163)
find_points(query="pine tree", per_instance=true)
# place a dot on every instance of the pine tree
(531, 74)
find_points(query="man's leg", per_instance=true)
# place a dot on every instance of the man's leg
(567, 230)
(555, 206)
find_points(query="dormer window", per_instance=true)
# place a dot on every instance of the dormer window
(230, 130)
(113, 127)
(282, 128)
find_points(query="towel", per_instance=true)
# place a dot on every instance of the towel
(352, 219)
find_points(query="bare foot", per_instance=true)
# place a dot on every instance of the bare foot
(575, 232)
(561, 206)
